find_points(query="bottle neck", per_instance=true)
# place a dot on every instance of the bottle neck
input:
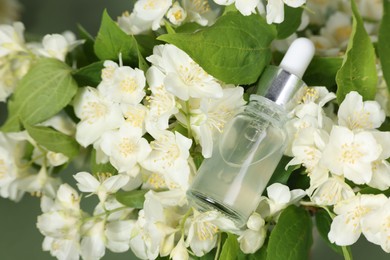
(278, 85)
(259, 106)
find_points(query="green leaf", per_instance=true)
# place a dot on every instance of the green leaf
(198, 159)
(53, 140)
(322, 72)
(88, 44)
(111, 41)
(101, 167)
(281, 174)
(89, 75)
(370, 190)
(142, 64)
(323, 222)
(133, 199)
(358, 72)
(46, 89)
(291, 238)
(383, 42)
(169, 28)
(230, 248)
(146, 44)
(235, 49)
(188, 28)
(292, 20)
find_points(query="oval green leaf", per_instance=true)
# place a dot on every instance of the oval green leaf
(291, 238)
(230, 248)
(53, 140)
(46, 89)
(89, 75)
(358, 72)
(235, 49)
(111, 41)
(133, 199)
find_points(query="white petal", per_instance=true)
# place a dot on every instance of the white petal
(114, 183)
(86, 182)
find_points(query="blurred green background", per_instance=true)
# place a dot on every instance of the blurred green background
(19, 237)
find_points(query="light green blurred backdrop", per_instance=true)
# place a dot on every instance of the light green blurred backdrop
(19, 237)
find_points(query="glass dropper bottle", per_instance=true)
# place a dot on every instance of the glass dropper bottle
(246, 154)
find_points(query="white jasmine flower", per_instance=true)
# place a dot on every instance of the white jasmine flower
(307, 148)
(203, 230)
(97, 115)
(183, 77)
(170, 152)
(330, 191)
(293, 128)
(200, 11)
(350, 154)
(125, 86)
(253, 238)
(279, 197)
(135, 117)
(103, 186)
(11, 38)
(347, 225)
(11, 153)
(125, 148)
(275, 9)
(161, 104)
(133, 24)
(180, 251)
(40, 183)
(61, 224)
(310, 101)
(57, 46)
(245, 7)
(52, 158)
(212, 115)
(148, 14)
(176, 14)
(92, 244)
(118, 235)
(358, 115)
(150, 231)
(381, 167)
(12, 69)
(376, 226)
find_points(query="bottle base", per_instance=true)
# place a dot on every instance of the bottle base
(204, 203)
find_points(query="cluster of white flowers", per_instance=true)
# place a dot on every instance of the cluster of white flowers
(341, 155)
(19, 152)
(133, 132)
(151, 14)
(17, 55)
(150, 125)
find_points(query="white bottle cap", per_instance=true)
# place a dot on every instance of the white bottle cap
(298, 57)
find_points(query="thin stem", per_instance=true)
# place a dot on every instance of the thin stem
(183, 221)
(346, 254)
(188, 120)
(218, 246)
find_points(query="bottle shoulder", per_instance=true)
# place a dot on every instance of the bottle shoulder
(261, 108)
